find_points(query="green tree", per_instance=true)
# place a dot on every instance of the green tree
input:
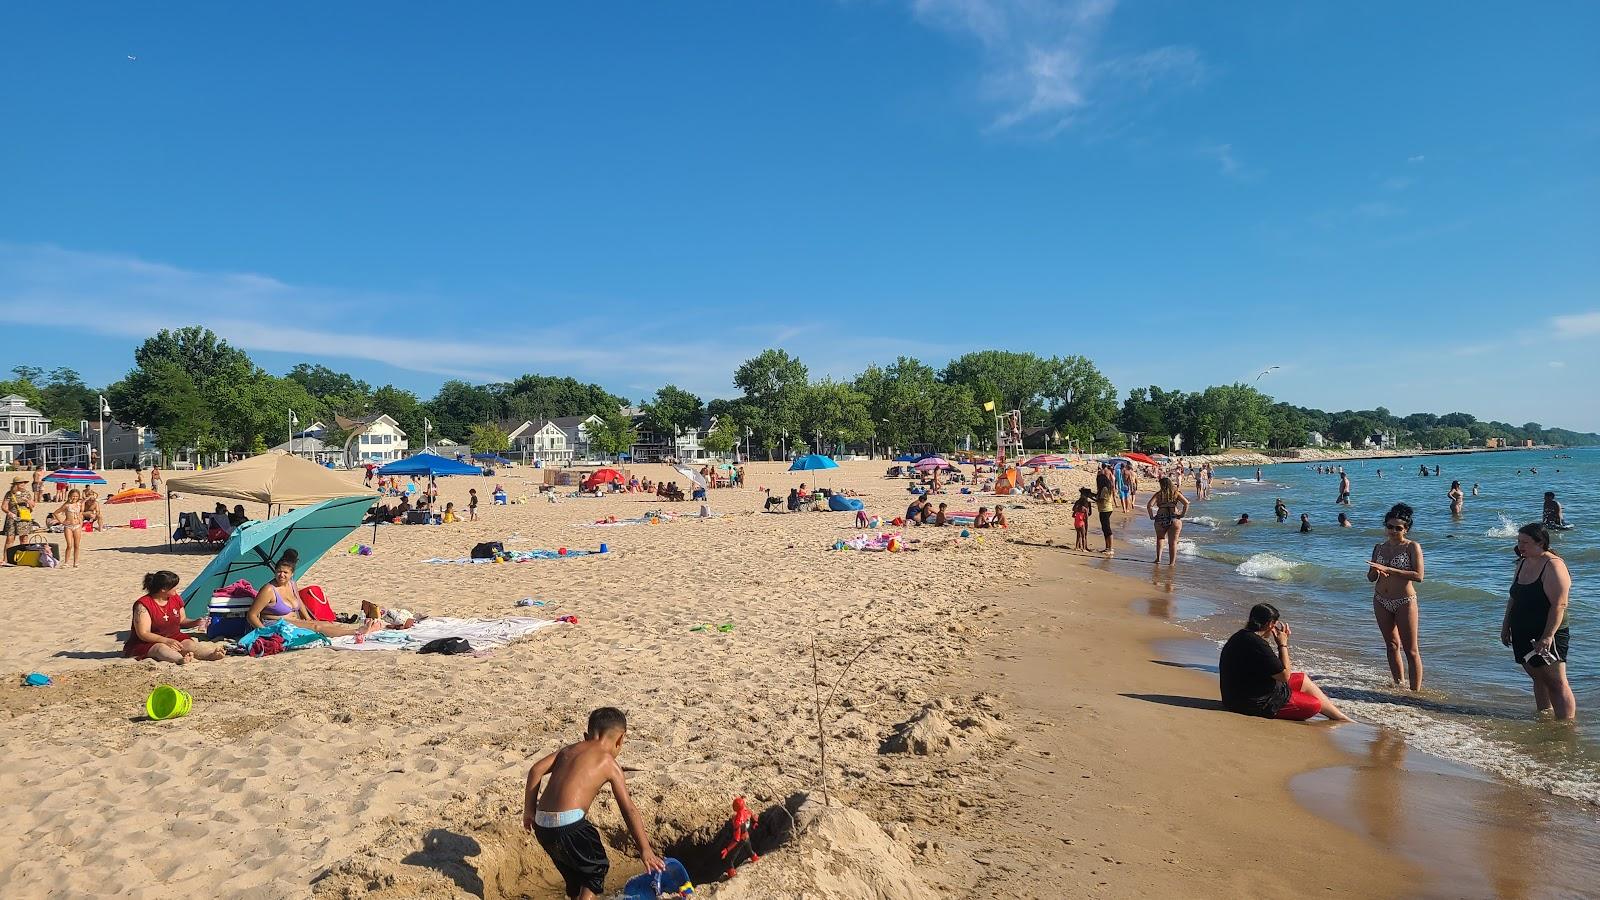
(773, 382)
(163, 396)
(1079, 398)
(614, 434)
(723, 437)
(458, 406)
(1009, 379)
(833, 413)
(67, 400)
(909, 407)
(488, 437)
(30, 374)
(404, 407)
(321, 381)
(673, 410)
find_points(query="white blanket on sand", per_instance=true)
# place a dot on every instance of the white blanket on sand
(482, 634)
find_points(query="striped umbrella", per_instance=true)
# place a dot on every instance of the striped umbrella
(74, 476)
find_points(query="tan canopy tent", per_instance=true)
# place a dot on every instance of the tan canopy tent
(271, 478)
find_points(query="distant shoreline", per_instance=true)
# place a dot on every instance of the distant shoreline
(1312, 454)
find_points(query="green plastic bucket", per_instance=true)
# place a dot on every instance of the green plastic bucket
(167, 702)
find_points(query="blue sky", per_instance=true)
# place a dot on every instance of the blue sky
(1398, 204)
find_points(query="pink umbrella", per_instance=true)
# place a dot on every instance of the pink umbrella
(933, 462)
(1043, 460)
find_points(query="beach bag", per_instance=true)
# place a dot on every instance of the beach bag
(316, 603)
(448, 646)
(488, 550)
(226, 627)
(26, 558)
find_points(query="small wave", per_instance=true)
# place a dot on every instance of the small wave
(1185, 548)
(1202, 521)
(1224, 493)
(1268, 565)
(1505, 529)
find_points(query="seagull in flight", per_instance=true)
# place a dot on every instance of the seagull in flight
(1266, 371)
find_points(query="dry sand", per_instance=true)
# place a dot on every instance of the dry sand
(398, 775)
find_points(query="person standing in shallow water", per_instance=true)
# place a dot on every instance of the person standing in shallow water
(1456, 498)
(1535, 623)
(1394, 570)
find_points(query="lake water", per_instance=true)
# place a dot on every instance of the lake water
(1477, 704)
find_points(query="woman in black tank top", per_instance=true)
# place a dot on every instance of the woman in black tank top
(1535, 624)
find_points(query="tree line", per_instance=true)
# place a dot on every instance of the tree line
(198, 391)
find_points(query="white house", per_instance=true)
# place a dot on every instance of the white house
(577, 430)
(1315, 439)
(542, 440)
(126, 445)
(311, 444)
(26, 436)
(376, 439)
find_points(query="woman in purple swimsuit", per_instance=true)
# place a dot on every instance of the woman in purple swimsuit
(280, 599)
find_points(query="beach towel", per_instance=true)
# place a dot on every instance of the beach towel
(483, 634)
(293, 637)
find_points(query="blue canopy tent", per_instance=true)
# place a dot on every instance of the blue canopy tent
(254, 547)
(428, 464)
(492, 457)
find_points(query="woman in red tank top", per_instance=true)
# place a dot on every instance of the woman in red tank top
(157, 620)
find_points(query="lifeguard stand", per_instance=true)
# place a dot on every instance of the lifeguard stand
(1007, 450)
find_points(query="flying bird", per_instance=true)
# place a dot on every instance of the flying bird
(1268, 369)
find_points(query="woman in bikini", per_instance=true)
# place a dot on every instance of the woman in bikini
(279, 600)
(1394, 570)
(70, 515)
(1166, 508)
(1456, 497)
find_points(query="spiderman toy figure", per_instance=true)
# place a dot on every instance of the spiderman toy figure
(740, 824)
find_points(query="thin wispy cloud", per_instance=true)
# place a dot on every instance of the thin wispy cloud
(1416, 159)
(1580, 325)
(1398, 183)
(1222, 155)
(122, 296)
(1378, 209)
(1045, 62)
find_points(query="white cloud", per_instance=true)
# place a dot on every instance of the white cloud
(1044, 62)
(1415, 159)
(1226, 162)
(1378, 210)
(123, 296)
(1557, 364)
(1398, 183)
(1579, 325)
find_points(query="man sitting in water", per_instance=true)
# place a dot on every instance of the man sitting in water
(1258, 681)
(1554, 517)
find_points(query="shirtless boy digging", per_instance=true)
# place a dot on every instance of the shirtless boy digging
(560, 818)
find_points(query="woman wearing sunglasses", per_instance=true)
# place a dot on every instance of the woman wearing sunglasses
(1394, 570)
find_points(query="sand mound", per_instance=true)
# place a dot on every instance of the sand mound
(940, 727)
(840, 854)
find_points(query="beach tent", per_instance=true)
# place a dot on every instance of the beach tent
(602, 476)
(908, 457)
(255, 546)
(812, 461)
(271, 478)
(492, 457)
(429, 464)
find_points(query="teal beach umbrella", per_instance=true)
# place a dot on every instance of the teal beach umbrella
(812, 461)
(254, 546)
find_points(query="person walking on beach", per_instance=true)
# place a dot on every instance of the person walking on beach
(1456, 498)
(1257, 680)
(1535, 623)
(1394, 570)
(18, 510)
(1105, 499)
(38, 484)
(1166, 509)
(472, 505)
(155, 479)
(1344, 489)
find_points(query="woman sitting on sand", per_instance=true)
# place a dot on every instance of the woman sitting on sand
(279, 600)
(157, 620)
(1258, 681)
(1166, 508)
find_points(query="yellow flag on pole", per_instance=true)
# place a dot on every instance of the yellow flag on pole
(989, 406)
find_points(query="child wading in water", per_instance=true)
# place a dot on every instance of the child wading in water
(560, 819)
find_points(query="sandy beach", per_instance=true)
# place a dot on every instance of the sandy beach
(1007, 727)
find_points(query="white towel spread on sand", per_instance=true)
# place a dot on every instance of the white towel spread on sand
(483, 634)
